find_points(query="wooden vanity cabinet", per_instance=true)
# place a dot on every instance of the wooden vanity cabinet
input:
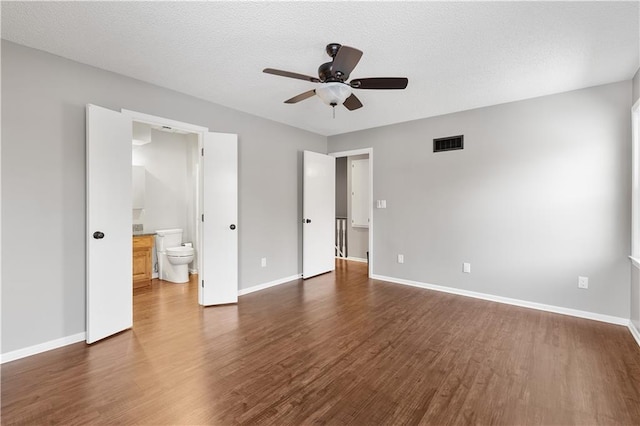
(142, 267)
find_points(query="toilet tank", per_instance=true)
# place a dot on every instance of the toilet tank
(168, 238)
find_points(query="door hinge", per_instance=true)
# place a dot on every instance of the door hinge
(203, 217)
(202, 283)
(202, 152)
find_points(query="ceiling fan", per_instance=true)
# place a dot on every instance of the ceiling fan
(332, 76)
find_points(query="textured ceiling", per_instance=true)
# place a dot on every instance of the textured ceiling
(457, 56)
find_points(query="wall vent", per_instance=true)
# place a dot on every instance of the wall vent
(448, 144)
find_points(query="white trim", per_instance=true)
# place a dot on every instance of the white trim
(161, 121)
(42, 347)
(634, 332)
(356, 259)
(635, 180)
(635, 261)
(264, 286)
(363, 151)
(509, 301)
(351, 153)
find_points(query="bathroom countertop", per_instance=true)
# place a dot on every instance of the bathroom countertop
(143, 233)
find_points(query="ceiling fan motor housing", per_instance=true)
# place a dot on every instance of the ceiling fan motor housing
(325, 73)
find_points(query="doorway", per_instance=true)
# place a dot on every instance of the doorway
(109, 217)
(165, 188)
(354, 205)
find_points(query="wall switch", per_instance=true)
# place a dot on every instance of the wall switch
(466, 268)
(263, 262)
(401, 258)
(583, 282)
(381, 204)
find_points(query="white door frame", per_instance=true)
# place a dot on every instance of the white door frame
(351, 153)
(191, 128)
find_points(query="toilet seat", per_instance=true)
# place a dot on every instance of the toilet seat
(179, 251)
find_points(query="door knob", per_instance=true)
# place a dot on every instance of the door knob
(98, 235)
(307, 221)
(232, 227)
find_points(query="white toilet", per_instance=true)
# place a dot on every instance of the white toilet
(173, 258)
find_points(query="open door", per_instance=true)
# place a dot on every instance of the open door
(109, 246)
(318, 205)
(219, 256)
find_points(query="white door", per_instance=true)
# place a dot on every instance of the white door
(318, 205)
(219, 269)
(109, 279)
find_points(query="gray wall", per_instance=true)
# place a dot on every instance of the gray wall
(539, 195)
(169, 182)
(635, 273)
(341, 187)
(43, 186)
(635, 297)
(636, 87)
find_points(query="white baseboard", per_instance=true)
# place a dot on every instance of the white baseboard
(42, 347)
(634, 332)
(274, 283)
(506, 300)
(75, 338)
(64, 341)
(357, 259)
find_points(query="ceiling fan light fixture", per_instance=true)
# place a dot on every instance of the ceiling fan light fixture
(333, 93)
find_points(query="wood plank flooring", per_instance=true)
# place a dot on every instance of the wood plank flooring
(335, 349)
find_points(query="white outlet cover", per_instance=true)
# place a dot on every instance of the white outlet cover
(400, 258)
(583, 282)
(466, 268)
(263, 262)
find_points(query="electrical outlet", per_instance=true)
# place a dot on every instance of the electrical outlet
(263, 262)
(466, 268)
(583, 282)
(401, 258)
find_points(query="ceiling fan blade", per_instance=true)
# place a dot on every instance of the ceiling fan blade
(300, 97)
(345, 61)
(380, 83)
(291, 75)
(352, 102)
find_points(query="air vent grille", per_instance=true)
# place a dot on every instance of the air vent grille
(450, 143)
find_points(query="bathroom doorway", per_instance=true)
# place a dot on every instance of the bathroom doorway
(165, 187)
(109, 217)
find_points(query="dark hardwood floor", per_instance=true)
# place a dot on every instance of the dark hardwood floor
(335, 349)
